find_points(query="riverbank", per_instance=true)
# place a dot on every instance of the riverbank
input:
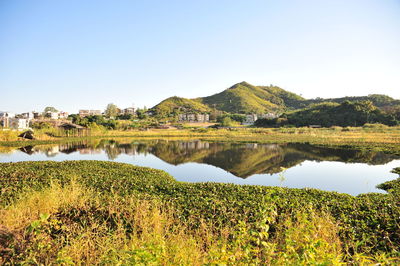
(371, 138)
(94, 212)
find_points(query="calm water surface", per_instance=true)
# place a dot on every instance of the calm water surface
(286, 165)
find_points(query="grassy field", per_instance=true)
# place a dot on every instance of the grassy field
(371, 137)
(91, 212)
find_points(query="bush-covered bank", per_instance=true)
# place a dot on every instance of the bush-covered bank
(91, 212)
(327, 114)
(367, 137)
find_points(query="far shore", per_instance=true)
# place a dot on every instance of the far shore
(371, 138)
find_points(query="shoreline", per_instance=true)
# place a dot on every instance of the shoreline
(359, 138)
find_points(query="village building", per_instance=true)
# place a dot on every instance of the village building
(36, 115)
(5, 118)
(250, 119)
(269, 116)
(51, 115)
(63, 115)
(18, 123)
(84, 113)
(28, 116)
(73, 130)
(202, 118)
(128, 111)
(193, 118)
(149, 113)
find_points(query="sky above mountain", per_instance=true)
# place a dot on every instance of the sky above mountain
(75, 54)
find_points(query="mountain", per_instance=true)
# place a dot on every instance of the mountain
(240, 98)
(179, 105)
(246, 98)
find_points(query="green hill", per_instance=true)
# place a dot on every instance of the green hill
(347, 113)
(246, 98)
(175, 105)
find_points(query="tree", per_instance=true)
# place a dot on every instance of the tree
(50, 109)
(111, 110)
(227, 122)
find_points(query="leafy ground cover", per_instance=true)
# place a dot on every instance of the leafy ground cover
(111, 213)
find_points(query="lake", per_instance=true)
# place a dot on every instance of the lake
(287, 165)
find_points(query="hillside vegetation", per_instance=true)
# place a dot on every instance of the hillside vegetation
(92, 212)
(244, 98)
(379, 100)
(344, 114)
(176, 105)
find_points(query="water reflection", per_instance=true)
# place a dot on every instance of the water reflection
(242, 160)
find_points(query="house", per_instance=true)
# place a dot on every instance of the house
(51, 115)
(191, 117)
(129, 111)
(84, 113)
(149, 113)
(269, 116)
(28, 115)
(62, 115)
(36, 115)
(18, 123)
(250, 119)
(182, 117)
(201, 118)
(6, 114)
(5, 118)
(73, 130)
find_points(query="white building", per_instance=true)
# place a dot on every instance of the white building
(52, 115)
(62, 115)
(269, 115)
(129, 111)
(6, 114)
(194, 117)
(5, 118)
(18, 123)
(250, 119)
(84, 113)
(28, 115)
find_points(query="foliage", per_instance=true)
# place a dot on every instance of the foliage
(244, 98)
(41, 125)
(111, 110)
(235, 117)
(379, 100)
(93, 121)
(344, 114)
(227, 122)
(50, 109)
(125, 117)
(177, 105)
(259, 224)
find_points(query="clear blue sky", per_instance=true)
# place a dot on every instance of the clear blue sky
(74, 54)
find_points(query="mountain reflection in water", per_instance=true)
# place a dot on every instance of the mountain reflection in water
(242, 160)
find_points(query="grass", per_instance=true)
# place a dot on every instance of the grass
(90, 212)
(369, 137)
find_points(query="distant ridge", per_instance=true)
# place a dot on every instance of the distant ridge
(245, 98)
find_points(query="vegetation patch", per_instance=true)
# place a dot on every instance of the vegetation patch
(111, 213)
